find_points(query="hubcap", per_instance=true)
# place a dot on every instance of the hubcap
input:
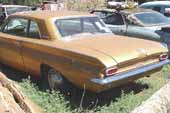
(54, 79)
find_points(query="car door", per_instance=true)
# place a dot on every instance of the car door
(116, 23)
(31, 48)
(10, 42)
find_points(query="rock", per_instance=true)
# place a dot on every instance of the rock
(158, 103)
(12, 100)
(7, 102)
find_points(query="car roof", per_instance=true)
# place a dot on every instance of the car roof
(136, 10)
(126, 11)
(51, 14)
(13, 6)
(165, 3)
(104, 9)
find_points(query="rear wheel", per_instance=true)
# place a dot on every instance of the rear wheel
(53, 80)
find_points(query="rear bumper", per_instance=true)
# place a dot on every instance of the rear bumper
(130, 74)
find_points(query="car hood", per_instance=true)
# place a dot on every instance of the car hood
(119, 48)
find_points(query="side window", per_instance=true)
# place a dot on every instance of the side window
(33, 30)
(156, 8)
(115, 19)
(16, 26)
(22, 27)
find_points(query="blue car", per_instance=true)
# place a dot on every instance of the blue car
(160, 6)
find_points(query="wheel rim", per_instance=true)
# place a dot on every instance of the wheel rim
(55, 79)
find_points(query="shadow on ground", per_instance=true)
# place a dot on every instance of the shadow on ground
(91, 100)
(76, 98)
(12, 73)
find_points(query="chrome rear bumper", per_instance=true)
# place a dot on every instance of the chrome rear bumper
(131, 73)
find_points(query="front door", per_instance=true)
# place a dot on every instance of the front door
(10, 42)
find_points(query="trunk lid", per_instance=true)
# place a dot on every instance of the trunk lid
(119, 48)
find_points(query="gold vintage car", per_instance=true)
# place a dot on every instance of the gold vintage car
(75, 47)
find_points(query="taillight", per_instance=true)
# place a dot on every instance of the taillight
(163, 57)
(111, 71)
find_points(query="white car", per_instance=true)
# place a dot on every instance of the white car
(123, 4)
(6, 10)
(160, 6)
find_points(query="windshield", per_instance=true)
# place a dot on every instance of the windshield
(80, 25)
(11, 10)
(152, 18)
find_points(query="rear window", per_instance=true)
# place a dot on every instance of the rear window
(75, 26)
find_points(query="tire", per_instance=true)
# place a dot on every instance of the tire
(54, 80)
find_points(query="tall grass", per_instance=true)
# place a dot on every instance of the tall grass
(117, 100)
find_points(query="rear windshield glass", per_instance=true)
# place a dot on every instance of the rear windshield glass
(79, 25)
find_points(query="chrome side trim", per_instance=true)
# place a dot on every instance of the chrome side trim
(131, 73)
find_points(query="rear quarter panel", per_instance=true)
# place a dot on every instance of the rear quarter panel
(141, 32)
(75, 67)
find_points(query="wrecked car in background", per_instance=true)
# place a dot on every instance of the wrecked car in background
(160, 6)
(63, 47)
(122, 3)
(6, 10)
(139, 23)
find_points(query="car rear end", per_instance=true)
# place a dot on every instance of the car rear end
(129, 71)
